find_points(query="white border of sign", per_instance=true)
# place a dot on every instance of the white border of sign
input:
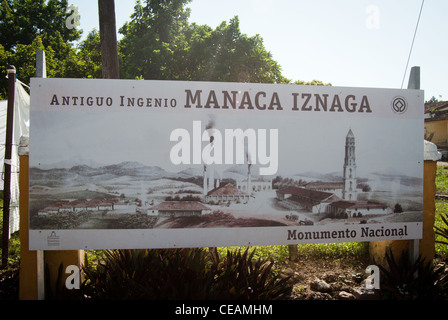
(188, 238)
(393, 112)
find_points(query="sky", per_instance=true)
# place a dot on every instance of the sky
(298, 141)
(298, 150)
(349, 43)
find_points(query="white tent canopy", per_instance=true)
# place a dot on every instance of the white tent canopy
(20, 129)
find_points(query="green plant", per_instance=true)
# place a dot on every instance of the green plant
(334, 250)
(181, 274)
(240, 276)
(406, 280)
(442, 231)
(278, 253)
(442, 179)
(148, 274)
(441, 228)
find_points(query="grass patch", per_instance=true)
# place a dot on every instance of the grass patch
(441, 208)
(442, 180)
(334, 250)
(276, 253)
(329, 250)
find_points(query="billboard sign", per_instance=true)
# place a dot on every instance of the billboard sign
(161, 164)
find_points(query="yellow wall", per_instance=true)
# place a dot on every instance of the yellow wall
(439, 128)
(28, 259)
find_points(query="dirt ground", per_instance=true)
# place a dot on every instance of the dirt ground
(9, 283)
(344, 275)
(321, 278)
(313, 278)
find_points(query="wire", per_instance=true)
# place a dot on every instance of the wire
(412, 45)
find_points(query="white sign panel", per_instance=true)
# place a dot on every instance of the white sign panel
(161, 164)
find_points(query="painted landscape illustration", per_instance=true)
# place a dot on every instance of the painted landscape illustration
(82, 193)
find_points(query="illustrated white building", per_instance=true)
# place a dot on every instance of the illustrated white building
(349, 189)
(333, 198)
(226, 192)
(255, 185)
(178, 209)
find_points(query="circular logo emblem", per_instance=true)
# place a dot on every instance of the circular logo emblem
(399, 105)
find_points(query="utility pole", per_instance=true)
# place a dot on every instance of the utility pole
(108, 37)
(7, 163)
(414, 83)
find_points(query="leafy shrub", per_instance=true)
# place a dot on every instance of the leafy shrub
(241, 277)
(182, 274)
(148, 274)
(405, 280)
(442, 231)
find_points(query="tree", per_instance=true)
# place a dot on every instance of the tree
(434, 99)
(152, 39)
(311, 83)
(398, 208)
(27, 26)
(225, 54)
(24, 59)
(86, 61)
(159, 43)
(22, 20)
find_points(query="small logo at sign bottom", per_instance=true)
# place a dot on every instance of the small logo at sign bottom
(53, 240)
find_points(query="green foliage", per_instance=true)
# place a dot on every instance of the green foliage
(404, 280)
(147, 274)
(334, 250)
(442, 179)
(85, 61)
(159, 43)
(275, 253)
(441, 213)
(441, 226)
(22, 20)
(313, 82)
(14, 240)
(442, 231)
(181, 274)
(27, 26)
(153, 39)
(241, 277)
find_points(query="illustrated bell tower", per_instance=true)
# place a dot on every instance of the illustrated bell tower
(349, 189)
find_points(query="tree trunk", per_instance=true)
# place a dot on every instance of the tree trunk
(108, 37)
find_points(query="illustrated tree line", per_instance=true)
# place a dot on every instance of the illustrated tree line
(158, 42)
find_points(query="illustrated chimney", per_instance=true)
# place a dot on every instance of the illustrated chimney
(205, 190)
(248, 179)
(211, 178)
(211, 174)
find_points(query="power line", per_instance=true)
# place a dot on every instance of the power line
(412, 45)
